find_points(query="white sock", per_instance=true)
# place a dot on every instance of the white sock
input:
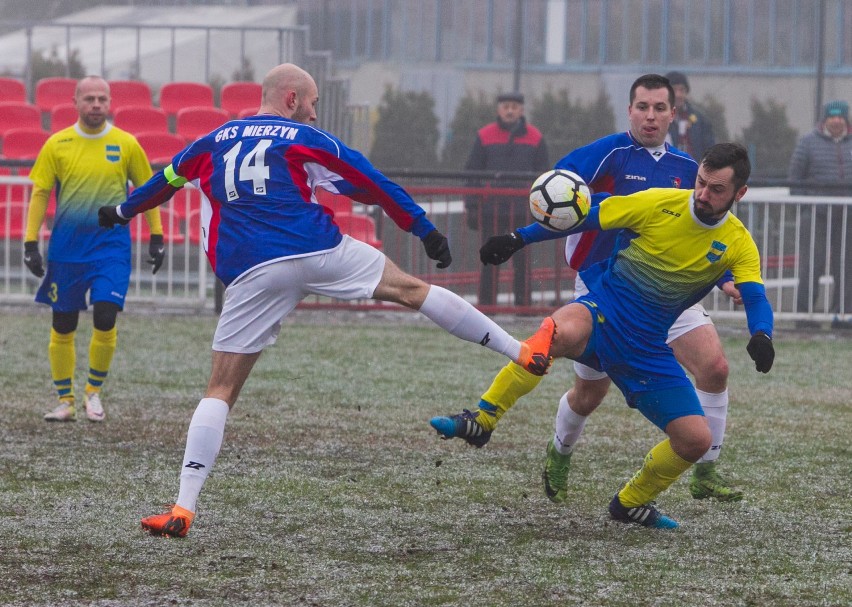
(568, 427)
(459, 318)
(203, 441)
(716, 411)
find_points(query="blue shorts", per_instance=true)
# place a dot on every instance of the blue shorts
(65, 284)
(640, 363)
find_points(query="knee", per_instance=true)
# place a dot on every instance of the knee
(65, 322)
(587, 395)
(104, 315)
(692, 444)
(713, 376)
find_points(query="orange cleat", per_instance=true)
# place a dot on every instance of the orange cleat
(535, 351)
(171, 524)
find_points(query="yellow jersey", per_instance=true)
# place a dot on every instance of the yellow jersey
(89, 171)
(673, 259)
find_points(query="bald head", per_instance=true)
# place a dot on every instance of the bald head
(91, 98)
(291, 92)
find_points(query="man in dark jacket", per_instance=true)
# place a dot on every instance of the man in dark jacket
(508, 144)
(690, 131)
(824, 156)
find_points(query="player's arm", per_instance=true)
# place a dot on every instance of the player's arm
(349, 173)
(760, 324)
(499, 249)
(154, 192)
(727, 286)
(35, 217)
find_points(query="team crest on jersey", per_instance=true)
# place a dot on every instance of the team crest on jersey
(676, 182)
(717, 249)
(113, 153)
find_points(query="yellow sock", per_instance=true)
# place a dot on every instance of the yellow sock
(510, 384)
(63, 358)
(662, 467)
(101, 350)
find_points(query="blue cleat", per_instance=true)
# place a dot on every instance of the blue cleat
(463, 425)
(646, 515)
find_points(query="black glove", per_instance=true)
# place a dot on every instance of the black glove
(762, 351)
(156, 251)
(108, 217)
(438, 248)
(32, 258)
(498, 249)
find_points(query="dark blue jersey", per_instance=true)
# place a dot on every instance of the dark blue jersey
(617, 164)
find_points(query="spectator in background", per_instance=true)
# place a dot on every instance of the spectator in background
(507, 144)
(824, 156)
(690, 131)
(89, 164)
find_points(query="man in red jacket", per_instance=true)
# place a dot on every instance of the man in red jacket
(507, 144)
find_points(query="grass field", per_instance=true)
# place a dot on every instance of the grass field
(331, 489)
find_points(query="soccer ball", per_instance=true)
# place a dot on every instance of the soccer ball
(560, 200)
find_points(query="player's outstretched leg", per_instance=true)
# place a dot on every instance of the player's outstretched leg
(706, 482)
(512, 382)
(509, 385)
(174, 523)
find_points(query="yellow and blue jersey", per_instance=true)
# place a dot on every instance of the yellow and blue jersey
(673, 261)
(89, 171)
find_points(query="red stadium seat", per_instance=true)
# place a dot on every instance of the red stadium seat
(160, 147)
(172, 233)
(249, 111)
(194, 122)
(23, 144)
(12, 89)
(141, 119)
(51, 92)
(338, 203)
(238, 96)
(177, 95)
(16, 193)
(124, 93)
(18, 115)
(63, 115)
(13, 221)
(360, 227)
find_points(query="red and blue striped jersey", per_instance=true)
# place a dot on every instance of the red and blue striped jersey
(257, 178)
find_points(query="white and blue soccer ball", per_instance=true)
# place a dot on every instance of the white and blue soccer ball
(560, 200)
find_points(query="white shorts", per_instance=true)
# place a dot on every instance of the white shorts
(691, 318)
(257, 302)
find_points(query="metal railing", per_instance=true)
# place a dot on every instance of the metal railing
(797, 236)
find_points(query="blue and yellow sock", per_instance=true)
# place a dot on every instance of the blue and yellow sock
(509, 385)
(62, 356)
(101, 351)
(662, 467)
